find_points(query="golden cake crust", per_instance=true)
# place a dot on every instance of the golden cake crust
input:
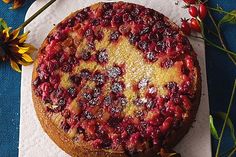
(83, 149)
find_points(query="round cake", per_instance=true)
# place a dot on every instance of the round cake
(115, 80)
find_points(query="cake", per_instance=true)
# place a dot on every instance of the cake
(116, 79)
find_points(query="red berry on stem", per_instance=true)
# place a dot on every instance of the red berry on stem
(193, 11)
(202, 11)
(185, 27)
(190, 1)
(195, 25)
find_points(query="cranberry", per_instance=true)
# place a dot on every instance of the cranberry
(135, 12)
(114, 36)
(193, 11)
(65, 126)
(155, 36)
(160, 47)
(143, 45)
(105, 22)
(143, 83)
(76, 79)
(85, 74)
(88, 115)
(169, 32)
(72, 60)
(140, 101)
(36, 81)
(96, 92)
(102, 56)
(106, 143)
(152, 90)
(116, 21)
(150, 104)
(87, 96)
(185, 27)
(145, 30)
(108, 14)
(186, 102)
(138, 20)
(95, 22)
(61, 102)
(195, 25)
(114, 121)
(86, 55)
(167, 63)
(124, 29)
(151, 56)
(159, 26)
(107, 6)
(131, 129)
(122, 101)
(66, 67)
(80, 130)
(166, 125)
(54, 79)
(88, 32)
(60, 36)
(71, 22)
(107, 101)
(133, 38)
(99, 78)
(72, 91)
(202, 11)
(65, 113)
(116, 87)
(127, 17)
(59, 92)
(93, 101)
(171, 85)
(99, 35)
(46, 87)
(114, 72)
(190, 1)
(81, 16)
(91, 46)
(63, 58)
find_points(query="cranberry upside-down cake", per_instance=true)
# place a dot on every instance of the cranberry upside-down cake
(115, 80)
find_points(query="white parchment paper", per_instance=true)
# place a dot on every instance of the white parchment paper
(34, 142)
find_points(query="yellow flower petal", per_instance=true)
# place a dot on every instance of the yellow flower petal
(27, 58)
(23, 37)
(6, 1)
(15, 66)
(6, 32)
(17, 4)
(18, 49)
(31, 47)
(23, 63)
(15, 33)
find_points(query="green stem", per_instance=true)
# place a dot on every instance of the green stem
(226, 118)
(232, 152)
(220, 36)
(36, 14)
(220, 11)
(215, 45)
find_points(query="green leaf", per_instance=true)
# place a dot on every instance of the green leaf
(3, 24)
(222, 116)
(213, 129)
(229, 18)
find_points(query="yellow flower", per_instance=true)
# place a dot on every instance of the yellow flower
(13, 47)
(16, 3)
